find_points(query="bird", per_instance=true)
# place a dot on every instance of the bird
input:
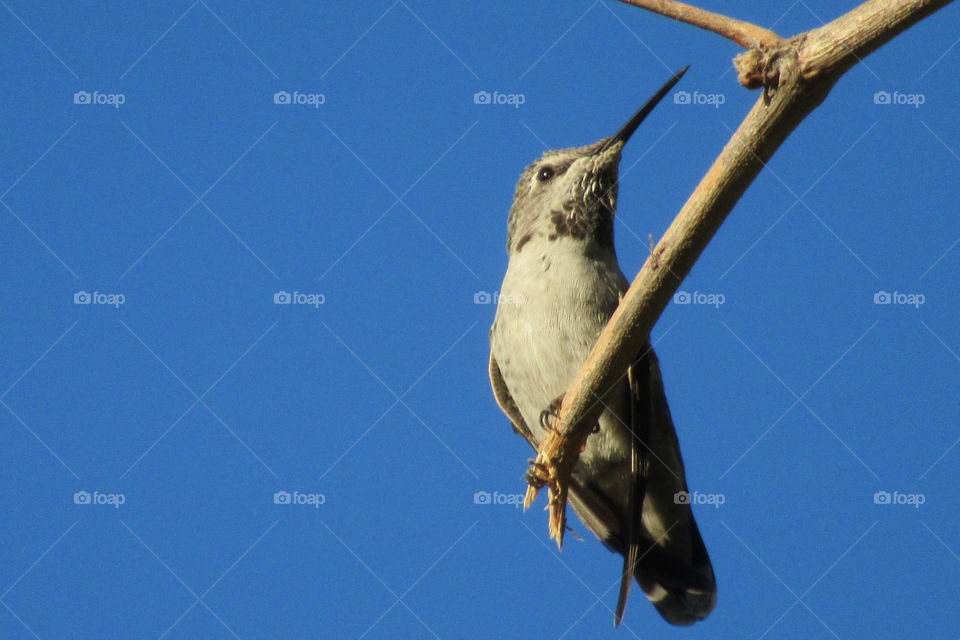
(562, 284)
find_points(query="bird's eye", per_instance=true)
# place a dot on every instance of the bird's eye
(545, 174)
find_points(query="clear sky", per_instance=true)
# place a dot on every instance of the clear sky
(186, 456)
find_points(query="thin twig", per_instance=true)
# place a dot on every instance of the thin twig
(747, 35)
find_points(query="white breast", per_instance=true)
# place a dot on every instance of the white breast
(554, 301)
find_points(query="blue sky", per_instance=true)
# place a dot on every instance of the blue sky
(182, 457)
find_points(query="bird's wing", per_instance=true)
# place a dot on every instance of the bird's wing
(674, 567)
(638, 384)
(507, 405)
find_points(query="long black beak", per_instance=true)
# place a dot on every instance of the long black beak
(627, 130)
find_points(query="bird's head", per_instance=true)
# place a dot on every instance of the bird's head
(572, 193)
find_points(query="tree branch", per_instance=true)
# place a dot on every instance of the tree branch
(745, 34)
(797, 74)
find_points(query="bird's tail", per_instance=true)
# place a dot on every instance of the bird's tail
(676, 573)
(683, 593)
(654, 529)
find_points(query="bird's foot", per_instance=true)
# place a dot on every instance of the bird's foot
(548, 417)
(537, 475)
(556, 457)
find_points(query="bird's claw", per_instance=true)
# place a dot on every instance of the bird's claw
(537, 474)
(548, 416)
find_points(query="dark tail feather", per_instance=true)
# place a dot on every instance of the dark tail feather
(673, 570)
(626, 579)
(632, 555)
(682, 594)
(681, 584)
(683, 608)
(638, 493)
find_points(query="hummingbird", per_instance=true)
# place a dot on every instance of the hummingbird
(562, 284)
